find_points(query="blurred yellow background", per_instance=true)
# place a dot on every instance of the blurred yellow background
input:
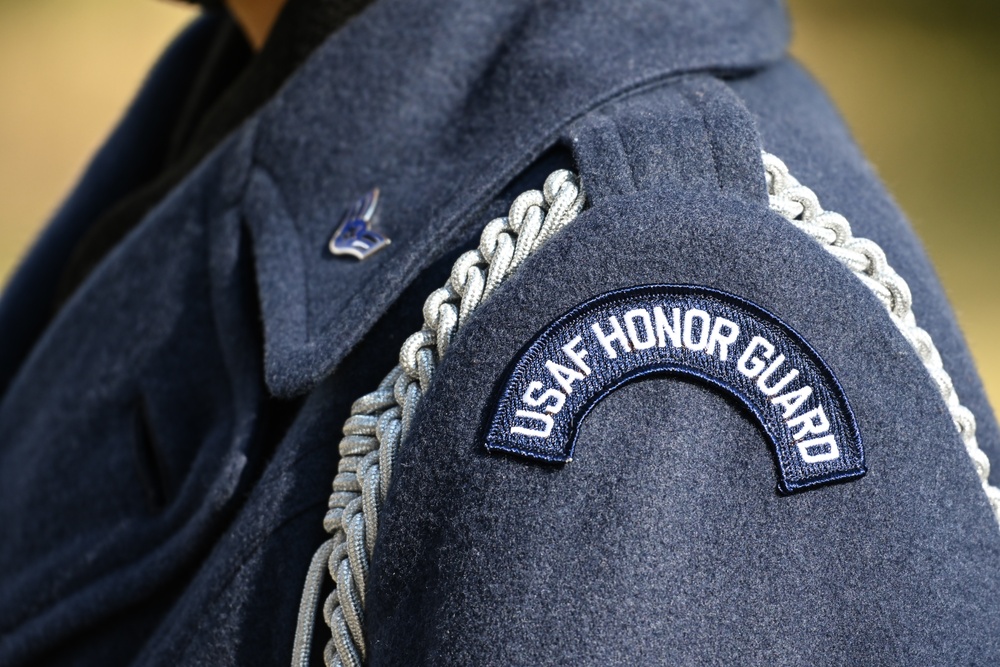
(917, 80)
(67, 70)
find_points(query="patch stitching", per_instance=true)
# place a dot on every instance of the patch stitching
(633, 364)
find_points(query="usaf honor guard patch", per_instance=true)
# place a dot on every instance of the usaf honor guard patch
(696, 332)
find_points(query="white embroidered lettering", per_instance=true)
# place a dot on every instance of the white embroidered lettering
(695, 333)
(616, 335)
(833, 452)
(780, 384)
(752, 370)
(662, 327)
(530, 432)
(564, 375)
(793, 400)
(542, 401)
(705, 319)
(648, 338)
(720, 339)
(577, 355)
(814, 421)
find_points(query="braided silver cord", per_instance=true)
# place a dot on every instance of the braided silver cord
(800, 206)
(379, 420)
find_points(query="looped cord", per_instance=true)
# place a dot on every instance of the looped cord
(800, 206)
(379, 420)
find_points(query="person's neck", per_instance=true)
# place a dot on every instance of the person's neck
(256, 18)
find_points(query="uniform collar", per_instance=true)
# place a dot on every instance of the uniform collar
(439, 103)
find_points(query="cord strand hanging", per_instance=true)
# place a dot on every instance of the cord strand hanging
(800, 206)
(379, 420)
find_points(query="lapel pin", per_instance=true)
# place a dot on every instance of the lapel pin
(355, 236)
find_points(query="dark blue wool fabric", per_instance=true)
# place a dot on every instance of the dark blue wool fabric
(167, 441)
(129, 157)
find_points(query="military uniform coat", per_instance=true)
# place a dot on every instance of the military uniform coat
(167, 441)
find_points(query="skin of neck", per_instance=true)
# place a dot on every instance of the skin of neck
(256, 18)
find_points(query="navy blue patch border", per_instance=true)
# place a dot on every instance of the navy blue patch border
(784, 486)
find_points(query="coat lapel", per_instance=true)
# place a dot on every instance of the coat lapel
(439, 105)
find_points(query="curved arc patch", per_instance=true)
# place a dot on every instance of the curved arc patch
(698, 332)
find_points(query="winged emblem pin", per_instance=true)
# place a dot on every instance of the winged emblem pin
(355, 236)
